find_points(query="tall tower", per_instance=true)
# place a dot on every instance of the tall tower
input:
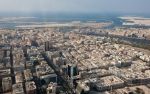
(47, 46)
(72, 70)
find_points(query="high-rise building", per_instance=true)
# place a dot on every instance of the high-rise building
(18, 88)
(51, 89)
(47, 46)
(72, 70)
(6, 84)
(30, 87)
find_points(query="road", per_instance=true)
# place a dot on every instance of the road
(65, 83)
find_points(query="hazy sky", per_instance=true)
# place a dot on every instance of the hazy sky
(91, 6)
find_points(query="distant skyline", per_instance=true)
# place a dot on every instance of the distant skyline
(75, 6)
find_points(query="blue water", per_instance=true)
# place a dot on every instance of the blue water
(65, 18)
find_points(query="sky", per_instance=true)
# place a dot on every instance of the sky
(82, 6)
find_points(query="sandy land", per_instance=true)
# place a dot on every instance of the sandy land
(136, 21)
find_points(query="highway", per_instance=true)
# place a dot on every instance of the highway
(65, 83)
